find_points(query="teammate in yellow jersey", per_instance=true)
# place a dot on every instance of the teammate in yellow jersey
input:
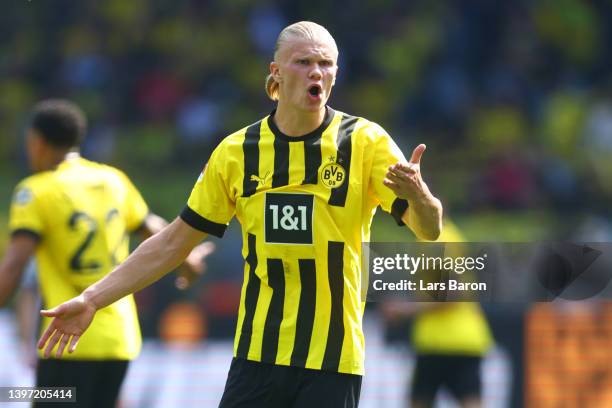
(450, 340)
(304, 183)
(74, 215)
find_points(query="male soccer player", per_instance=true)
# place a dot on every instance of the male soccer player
(304, 182)
(74, 216)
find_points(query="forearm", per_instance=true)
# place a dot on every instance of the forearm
(10, 271)
(153, 259)
(17, 255)
(424, 217)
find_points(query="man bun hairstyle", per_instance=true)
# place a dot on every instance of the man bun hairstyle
(60, 122)
(304, 30)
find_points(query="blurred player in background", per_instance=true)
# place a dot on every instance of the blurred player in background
(74, 215)
(450, 341)
(304, 182)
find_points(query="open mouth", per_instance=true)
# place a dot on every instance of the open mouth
(314, 90)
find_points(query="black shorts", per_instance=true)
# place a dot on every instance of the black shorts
(97, 382)
(459, 374)
(252, 384)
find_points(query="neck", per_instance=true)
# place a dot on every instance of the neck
(294, 123)
(58, 156)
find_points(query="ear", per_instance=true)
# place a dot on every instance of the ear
(275, 71)
(34, 141)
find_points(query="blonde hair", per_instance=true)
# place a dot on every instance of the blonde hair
(304, 30)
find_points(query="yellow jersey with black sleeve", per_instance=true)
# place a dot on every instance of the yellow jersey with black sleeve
(305, 205)
(81, 212)
(458, 328)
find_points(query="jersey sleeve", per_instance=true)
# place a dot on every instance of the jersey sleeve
(136, 208)
(210, 206)
(386, 153)
(25, 215)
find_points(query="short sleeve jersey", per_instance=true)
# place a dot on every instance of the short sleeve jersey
(305, 205)
(81, 213)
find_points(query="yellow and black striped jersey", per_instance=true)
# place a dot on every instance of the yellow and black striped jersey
(305, 205)
(81, 213)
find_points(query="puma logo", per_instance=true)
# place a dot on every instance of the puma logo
(260, 180)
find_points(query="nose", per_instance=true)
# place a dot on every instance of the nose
(315, 72)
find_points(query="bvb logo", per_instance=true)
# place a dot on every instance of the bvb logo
(333, 175)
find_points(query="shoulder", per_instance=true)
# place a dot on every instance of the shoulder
(35, 185)
(238, 137)
(365, 130)
(234, 142)
(106, 170)
(111, 174)
(363, 125)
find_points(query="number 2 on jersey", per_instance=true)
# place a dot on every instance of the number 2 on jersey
(77, 262)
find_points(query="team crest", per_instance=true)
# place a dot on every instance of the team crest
(23, 196)
(332, 175)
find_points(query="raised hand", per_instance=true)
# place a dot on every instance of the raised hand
(405, 178)
(70, 320)
(194, 266)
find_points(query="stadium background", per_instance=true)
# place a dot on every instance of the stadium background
(512, 98)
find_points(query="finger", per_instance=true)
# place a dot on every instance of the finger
(73, 343)
(406, 176)
(409, 168)
(43, 339)
(208, 248)
(400, 180)
(62, 345)
(417, 153)
(181, 283)
(204, 249)
(50, 312)
(393, 186)
(52, 343)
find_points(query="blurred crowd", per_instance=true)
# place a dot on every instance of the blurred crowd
(513, 98)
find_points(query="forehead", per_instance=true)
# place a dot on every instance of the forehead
(301, 47)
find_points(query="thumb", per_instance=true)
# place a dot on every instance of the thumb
(51, 312)
(417, 154)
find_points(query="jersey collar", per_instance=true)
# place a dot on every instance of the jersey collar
(315, 134)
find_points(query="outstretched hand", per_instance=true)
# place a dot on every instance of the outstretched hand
(405, 178)
(70, 320)
(194, 265)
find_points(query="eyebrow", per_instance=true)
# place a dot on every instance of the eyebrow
(310, 56)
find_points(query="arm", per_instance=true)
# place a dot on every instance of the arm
(424, 212)
(20, 249)
(153, 259)
(424, 217)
